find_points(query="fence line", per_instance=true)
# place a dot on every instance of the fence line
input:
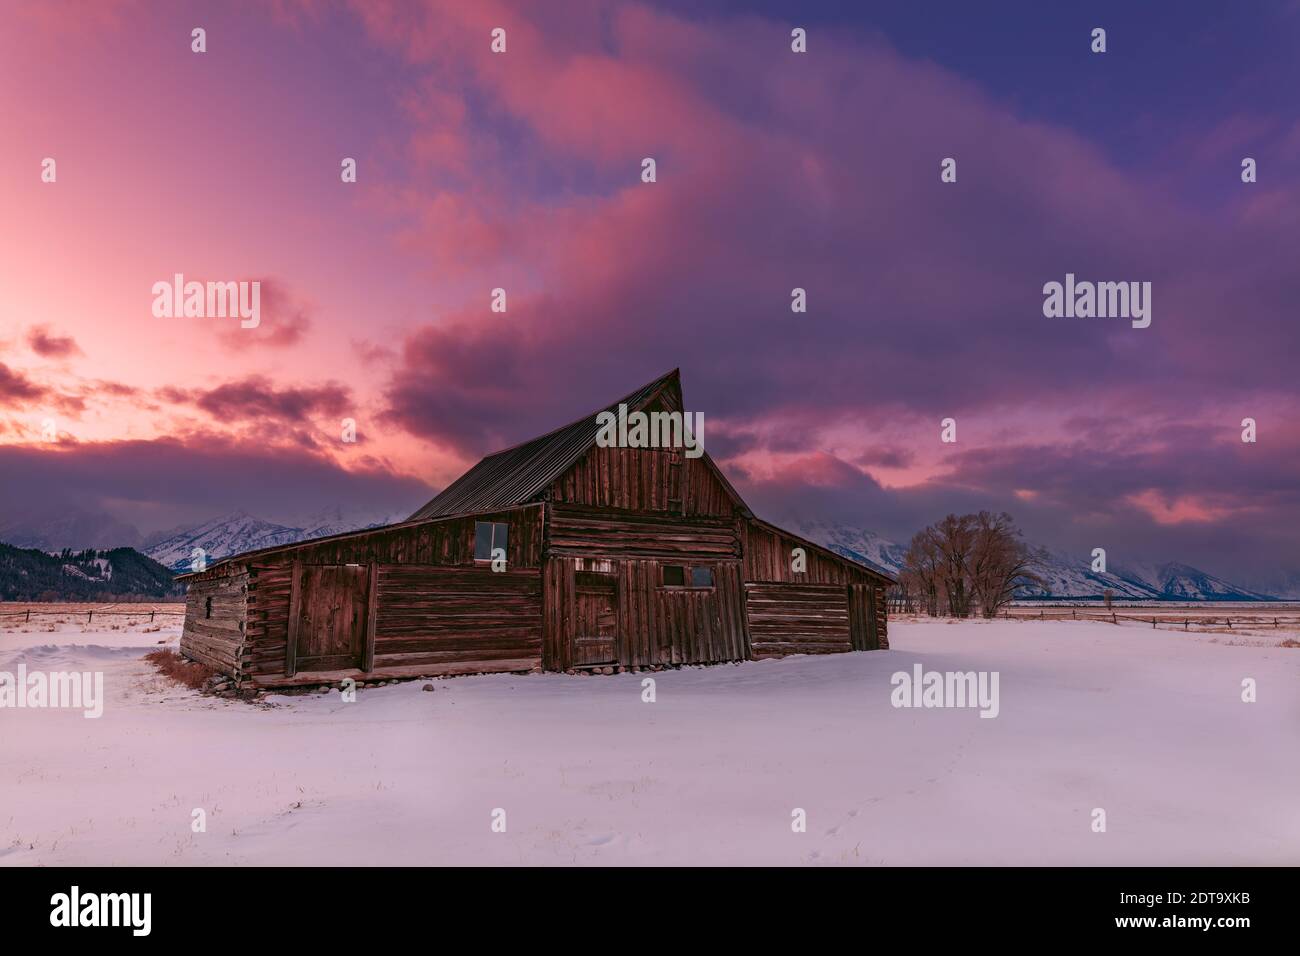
(1114, 617)
(27, 614)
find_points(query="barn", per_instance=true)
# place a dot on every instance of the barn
(614, 558)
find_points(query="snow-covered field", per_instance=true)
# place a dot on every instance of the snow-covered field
(1147, 725)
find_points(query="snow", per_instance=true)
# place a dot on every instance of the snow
(1147, 724)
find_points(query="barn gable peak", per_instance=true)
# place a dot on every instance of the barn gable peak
(521, 473)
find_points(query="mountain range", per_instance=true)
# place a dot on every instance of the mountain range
(1063, 576)
(239, 531)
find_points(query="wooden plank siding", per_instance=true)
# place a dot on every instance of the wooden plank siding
(867, 617)
(558, 621)
(419, 548)
(644, 479)
(656, 625)
(680, 625)
(216, 639)
(431, 616)
(798, 619)
(576, 531)
(438, 541)
(768, 557)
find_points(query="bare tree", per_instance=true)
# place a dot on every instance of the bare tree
(967, 561)
(999, 562)
(955, 538)
(920, 573)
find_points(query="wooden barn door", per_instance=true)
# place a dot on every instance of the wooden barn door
(595, 625)
(863, 622)
(327, 617)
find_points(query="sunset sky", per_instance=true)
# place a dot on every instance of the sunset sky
(775, 170)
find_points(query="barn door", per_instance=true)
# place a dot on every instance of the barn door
(595, 624)
(863, 619)
(327, 617)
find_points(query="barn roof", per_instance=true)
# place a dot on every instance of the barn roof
(518, 475)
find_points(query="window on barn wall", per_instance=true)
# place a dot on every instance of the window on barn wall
(207, 608)
(681, 576)
(488, 536)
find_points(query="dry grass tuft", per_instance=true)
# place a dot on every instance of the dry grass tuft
(171, 665)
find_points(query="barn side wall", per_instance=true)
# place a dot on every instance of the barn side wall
(474, 620)
(657, 625)
(798, 619)
(214, 633)
(436, 611)
(850, 613)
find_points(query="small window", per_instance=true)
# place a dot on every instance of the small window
(701, 577)
(207, 608)
(674, 576)
(488, 536)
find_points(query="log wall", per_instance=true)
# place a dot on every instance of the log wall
(412, 563)
(216, 640)
(436, 616)
(798, 619)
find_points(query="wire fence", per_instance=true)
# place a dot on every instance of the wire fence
(1191, 621)
(1242, 621)
(153, 614)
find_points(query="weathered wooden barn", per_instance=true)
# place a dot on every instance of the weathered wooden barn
(614, 557)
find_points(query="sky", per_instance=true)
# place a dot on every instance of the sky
(775, 170)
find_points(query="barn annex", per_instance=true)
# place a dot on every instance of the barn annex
(614, 557)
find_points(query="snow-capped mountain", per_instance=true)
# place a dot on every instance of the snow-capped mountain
(1062, 576)
(1184, 583)
(856, 544)
(239, 531)
(1068, 577)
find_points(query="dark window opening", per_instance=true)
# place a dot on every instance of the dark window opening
(681, 576)
(207, 608)
(488, 536)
